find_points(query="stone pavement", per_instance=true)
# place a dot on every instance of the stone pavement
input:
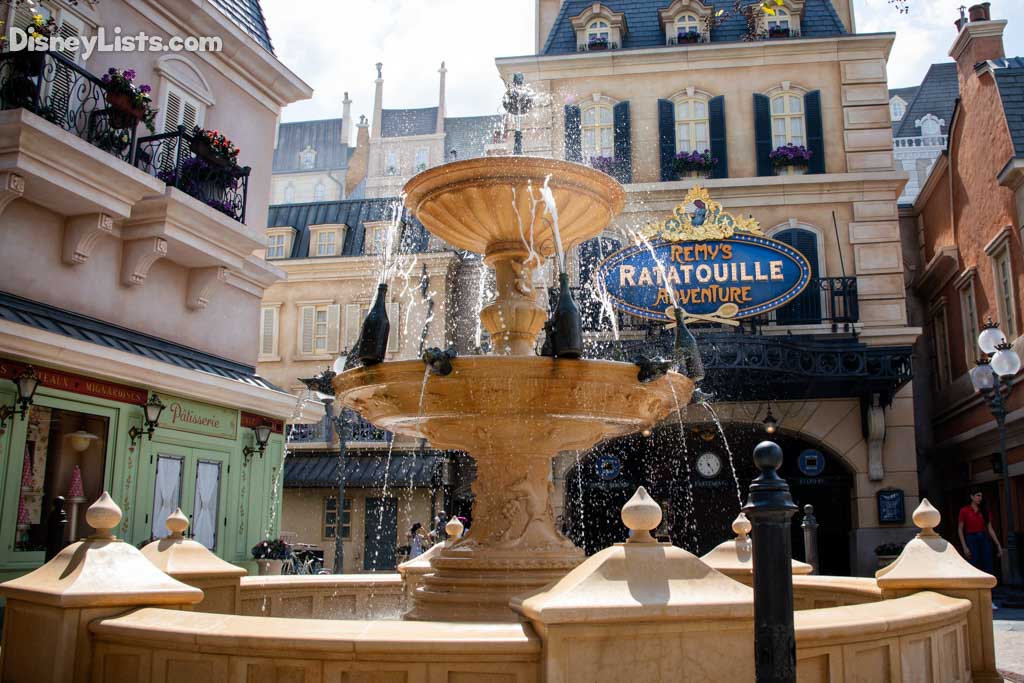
(1008, 625)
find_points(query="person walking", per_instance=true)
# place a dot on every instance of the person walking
(975, 532)
(416, 537)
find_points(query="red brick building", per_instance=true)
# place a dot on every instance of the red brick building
(969, 266)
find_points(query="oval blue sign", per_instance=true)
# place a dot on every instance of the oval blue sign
(737, 277)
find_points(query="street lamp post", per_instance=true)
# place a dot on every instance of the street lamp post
(991, 378)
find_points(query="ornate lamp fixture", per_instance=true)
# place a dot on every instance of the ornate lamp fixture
(262, 434)
(770, 423)
(154, 407)
(26, 383)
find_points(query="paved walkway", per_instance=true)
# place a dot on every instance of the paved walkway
(1008, 627)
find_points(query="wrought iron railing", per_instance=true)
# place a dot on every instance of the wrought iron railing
(318, 432)
(920, 141)
(356, 430)
(55, 88)
(362, 431)
(176, 159)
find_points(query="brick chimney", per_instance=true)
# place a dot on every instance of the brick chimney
(980, 39)
(359, 162)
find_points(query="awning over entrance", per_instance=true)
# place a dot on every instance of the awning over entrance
(361, 471)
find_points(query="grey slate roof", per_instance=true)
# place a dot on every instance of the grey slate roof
(361, 471)
(396, 123)
(905, 94)
(644, 26)
(68, 324)
(324, 136)
(936, 95)
(1010, 79)
(467, 135)
(354, 213)
(248, 15)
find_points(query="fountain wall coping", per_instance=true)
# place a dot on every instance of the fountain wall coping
(319, 581)
(919, 611)
(188, 631)
(735, 556)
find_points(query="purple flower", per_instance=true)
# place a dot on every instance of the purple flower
(145, 89)
(111, 71)
(129, 74)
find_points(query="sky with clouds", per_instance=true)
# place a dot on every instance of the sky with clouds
(334, 44)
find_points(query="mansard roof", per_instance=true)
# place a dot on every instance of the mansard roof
(936, 95)
(467, 135)
(1010, 79)
(645, 30)
(397, 123)
(248, 15)
(324, 136)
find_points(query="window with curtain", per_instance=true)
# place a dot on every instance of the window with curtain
(167, 492)
(597, 123)
(205, 505)
(692, 125)
(788, 119)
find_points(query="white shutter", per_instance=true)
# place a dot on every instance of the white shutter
(172, 111)
(333, 327)
(306, 323)
(352, 323)
(393, 339)
(64, 79)
(268, 332)
(181, 110)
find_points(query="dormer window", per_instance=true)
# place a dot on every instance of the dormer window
(897, 108)
(687, 29)
(307, 157)
(599, 28)
(783, 21)
(686, 22)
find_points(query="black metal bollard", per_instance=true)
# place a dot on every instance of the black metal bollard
(810, 527)
(770, 510)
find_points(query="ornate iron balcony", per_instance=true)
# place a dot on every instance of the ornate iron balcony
(176, 159)
(55, 88)
(319, 432)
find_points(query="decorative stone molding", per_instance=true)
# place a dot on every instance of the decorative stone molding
(201, 284)
(81, 233)
(671, 14)
(616, 21)
(12, 186)
(138, 256)
(874, 427)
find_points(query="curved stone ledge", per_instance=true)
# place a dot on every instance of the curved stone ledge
(325, 596)
(817, 592)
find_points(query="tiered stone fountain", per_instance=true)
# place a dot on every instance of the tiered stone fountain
(512, 411)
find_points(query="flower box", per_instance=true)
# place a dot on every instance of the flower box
(269, 567)
(123, 113)
(790, 159)
(205, 151)
(597, 45)
(776, 32)
(128, 104)
(603, 164)
(688, 37)
(213, 147)
(695, 164)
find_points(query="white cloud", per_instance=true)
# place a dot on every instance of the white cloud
(333, 45)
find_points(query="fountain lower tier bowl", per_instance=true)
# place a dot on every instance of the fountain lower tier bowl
(512, 414)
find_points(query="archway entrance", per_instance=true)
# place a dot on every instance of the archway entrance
(691, 475)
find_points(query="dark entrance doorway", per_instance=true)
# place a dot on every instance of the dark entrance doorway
(690, 473)
(380, 534)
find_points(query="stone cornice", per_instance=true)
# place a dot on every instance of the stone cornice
(357, 267)
(1012, 175)
(242, 60)
(973, 30)
(700, 56)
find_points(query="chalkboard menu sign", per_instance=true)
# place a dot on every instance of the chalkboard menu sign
(890, 507)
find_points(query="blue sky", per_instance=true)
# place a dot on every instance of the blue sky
(333, 45)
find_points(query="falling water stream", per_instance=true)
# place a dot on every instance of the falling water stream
(728, 450)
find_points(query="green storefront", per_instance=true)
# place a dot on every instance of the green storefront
(74, 441)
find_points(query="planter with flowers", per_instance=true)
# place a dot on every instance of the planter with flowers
(214, 185)
(129, 103)
(603, 164)
(688, 37)
(270, 556)
(213, 147)
(597, 44)
(695, 164)
(775, 32)
(30, 62)
(790, 159)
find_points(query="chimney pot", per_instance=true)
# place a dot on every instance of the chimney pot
(976, 13)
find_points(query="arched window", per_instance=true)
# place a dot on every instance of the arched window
(598, 32)
(897, 108)
(598, 131)
(319, 192)
(806, 308)
(930, 126)
(779, 21)
(687, 24)
(289, 194)
(788, 119)
(692, 124)
(307, 157)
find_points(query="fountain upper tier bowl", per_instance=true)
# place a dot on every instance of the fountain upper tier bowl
(498, 404)
(470, 203)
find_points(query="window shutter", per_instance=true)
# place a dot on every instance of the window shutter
(333, 327)
(623, 167)
(393, 318)
(806, 308)
(573, 134)
(306, 321)
(815, 136)
(667, 138)
(172, 111)
(352, 323)
(716, 125)
(763, 134)
(268, 332)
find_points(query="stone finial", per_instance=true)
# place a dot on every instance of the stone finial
(741, 527)
(454, 528)
(103, 516)
(380, 68)
(176, 523)
(926, 518)
(641, 514)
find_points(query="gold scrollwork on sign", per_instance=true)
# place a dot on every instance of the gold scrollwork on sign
(699, 218)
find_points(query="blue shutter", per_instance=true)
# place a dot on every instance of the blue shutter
(573, 134)
(667, 138)
(623, 167)
(806, 308)
(763, 134)
(815, 137)
(716, 123)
